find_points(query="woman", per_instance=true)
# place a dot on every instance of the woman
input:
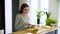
(22, 19)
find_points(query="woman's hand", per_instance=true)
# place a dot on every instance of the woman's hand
(26, 23)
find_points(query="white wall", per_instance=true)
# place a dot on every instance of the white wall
(1, 31)
(53, 8)
(8, 16)
(59, 15)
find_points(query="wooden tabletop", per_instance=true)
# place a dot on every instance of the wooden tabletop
(31, 32)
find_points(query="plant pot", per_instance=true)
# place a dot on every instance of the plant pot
(38, 21)
(53, 25)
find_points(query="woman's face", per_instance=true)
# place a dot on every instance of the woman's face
(26, 10)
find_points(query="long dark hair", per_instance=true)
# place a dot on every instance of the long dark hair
(22, 7)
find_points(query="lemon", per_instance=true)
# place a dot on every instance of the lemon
(35, 28)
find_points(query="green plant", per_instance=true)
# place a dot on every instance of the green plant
(39, 13)
(48, 20)
(53, 21)
(48, 14)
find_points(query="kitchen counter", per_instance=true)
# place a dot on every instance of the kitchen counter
(41, 31)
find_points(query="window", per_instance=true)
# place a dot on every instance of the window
(36, 5)
(44, 7)
(32, 12)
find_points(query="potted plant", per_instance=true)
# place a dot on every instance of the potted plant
(50, 21)
(39, 13)
(38, 17)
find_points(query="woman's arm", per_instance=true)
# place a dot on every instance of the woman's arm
(18, 24)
